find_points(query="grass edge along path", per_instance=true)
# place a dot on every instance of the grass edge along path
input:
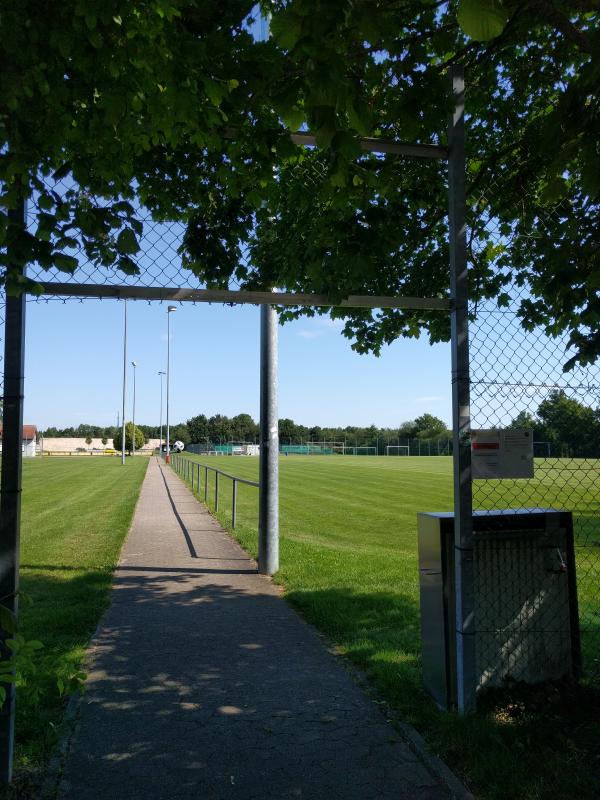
(76, 514)
(337, 571)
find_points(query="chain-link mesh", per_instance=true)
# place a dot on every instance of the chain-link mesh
(517, 380)
(159, 264)
(2, 310)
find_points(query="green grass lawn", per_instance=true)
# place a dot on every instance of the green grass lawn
(75, 514)
(349, 564)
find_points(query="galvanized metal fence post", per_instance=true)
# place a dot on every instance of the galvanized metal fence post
(216, 491)
(10, 489)
(268, 520)
(233, 503)
(461, 413)
(206, 484)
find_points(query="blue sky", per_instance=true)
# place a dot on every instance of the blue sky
(74, 367)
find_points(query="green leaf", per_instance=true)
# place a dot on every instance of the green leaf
(128, 265)
(554, 189)
(8, 620)
(127, 242)
(65, 263)
(62, 171)
(286, 28)
(359, 117)
(45, 202)
(293, 118)
(214, 91)
(482, 20)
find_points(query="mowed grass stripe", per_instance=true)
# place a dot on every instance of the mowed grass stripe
(349, 564)
(75, 515)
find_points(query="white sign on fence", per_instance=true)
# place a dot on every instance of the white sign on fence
(497, 453)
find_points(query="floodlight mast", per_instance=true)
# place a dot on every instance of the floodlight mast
(134, 365)
(170, 310)
(160, 374)
(124, 382)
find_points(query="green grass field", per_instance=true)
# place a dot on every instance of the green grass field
(349, 564)
(75, 515)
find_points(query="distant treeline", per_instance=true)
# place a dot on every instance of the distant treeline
(178, 431)
(220, 429)
(562, 425)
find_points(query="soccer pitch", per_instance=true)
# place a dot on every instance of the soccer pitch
(349, 564)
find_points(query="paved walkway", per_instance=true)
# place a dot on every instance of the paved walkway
(205, 684)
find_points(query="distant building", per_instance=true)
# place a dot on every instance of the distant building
(29, 439)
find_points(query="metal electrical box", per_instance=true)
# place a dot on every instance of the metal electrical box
(525, 599)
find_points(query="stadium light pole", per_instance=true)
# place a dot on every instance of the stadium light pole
(124, 383)
(134, 365)
(161, 373)
(170, 309)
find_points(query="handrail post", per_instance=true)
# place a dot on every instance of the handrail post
(233, 503)
(216, 491)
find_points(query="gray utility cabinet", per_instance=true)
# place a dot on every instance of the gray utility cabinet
(525, 599)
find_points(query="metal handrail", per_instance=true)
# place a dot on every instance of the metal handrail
(187, 468)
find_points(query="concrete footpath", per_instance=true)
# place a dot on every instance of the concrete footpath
(204, 683)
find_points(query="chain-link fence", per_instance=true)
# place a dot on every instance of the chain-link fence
(157, 263)
(517, 380)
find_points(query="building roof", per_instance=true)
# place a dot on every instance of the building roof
(29, 431)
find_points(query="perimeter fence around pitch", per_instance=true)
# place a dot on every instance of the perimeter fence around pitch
(382, 447)
(517, 375)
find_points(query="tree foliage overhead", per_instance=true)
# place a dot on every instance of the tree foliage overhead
(173, 104)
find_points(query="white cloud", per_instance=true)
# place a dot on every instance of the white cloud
(304, 334)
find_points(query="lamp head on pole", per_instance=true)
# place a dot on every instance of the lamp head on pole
(134, 364)
(171, 308)
(160, 372)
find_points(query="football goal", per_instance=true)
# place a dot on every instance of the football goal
(324, 448)
(397, 450)
(360, 450)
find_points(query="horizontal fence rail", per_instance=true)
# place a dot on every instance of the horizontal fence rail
(191, 471)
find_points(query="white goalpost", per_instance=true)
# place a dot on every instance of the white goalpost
(324, 448)
(360, 450)
(397, 450)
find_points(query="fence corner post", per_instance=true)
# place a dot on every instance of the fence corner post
(10, 486)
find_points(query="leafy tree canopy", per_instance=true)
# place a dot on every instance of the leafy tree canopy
(140, 439)
(174, 105)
